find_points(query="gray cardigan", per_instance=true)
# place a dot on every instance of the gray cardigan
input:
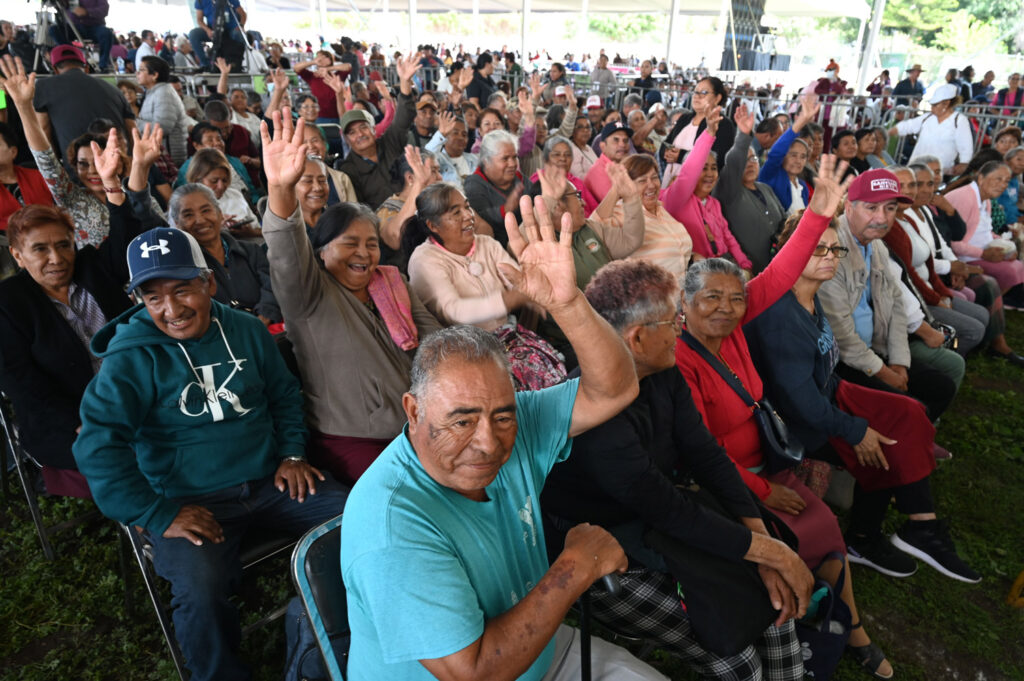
(353, 374)
(163, 106)
(751, 221)
(840, 295)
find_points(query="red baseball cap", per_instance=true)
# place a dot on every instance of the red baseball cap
(66, 53)
(877, 186)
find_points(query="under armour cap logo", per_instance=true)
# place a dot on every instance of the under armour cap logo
(162, 247)
(884, 184)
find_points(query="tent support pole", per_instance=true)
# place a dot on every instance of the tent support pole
(412, 26)
(868, 59)
(673, 17)
(522, 30)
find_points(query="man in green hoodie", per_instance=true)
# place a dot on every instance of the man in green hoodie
(193, 430)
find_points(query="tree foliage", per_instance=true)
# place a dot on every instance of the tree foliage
(921, 19)
(969, 35)
(623, 27)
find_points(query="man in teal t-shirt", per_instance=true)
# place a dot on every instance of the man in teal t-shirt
(443, 553)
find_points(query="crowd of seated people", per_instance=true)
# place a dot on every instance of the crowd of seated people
(517, 295)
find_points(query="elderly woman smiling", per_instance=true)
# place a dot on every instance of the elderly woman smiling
(717, 303)
(355, 325)
(455, 272)
(240, 268)
(493, 190)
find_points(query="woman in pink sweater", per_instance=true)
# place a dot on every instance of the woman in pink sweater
(688, 199)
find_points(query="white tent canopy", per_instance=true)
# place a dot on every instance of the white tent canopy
(857, 9)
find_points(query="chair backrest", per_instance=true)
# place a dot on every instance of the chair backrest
(316, 570)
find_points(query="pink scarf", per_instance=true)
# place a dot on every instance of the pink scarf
(390, 296)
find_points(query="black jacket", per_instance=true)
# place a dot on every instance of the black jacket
(44, 367)
(626, 469)
(723, 140)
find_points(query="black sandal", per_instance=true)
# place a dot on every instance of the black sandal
(869, 657)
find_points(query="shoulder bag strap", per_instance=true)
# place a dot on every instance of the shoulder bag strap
(730, 378)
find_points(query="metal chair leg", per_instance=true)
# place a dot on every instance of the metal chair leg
(149, 577)
(30, 496)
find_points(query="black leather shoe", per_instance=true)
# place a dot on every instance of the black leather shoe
(1011, 357)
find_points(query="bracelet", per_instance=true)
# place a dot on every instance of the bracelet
(296, 459)
(116, 190)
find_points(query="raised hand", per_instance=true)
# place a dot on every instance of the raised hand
(828, 191)
(222, 65)
(333, 81)
(621, 182)
(284, 156)
(382, 89)
(547, 275)
(281, 79)
(535, 85)
(446, 122)
(744, 119)
(525, 104)
(553, 181)
(108, 161)
(420, 172)
(407, 67)
(147, 147)
(21, 87)
(714, 117)
(809, 106)
(465, 78)
(570, 97)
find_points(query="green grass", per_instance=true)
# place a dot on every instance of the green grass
(66, 619)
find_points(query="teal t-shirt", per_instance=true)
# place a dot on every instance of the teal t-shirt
(425, 567)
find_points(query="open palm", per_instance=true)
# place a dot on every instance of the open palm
(548, 273)
(284, 156)
(828, 190)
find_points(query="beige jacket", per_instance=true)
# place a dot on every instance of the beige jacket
(839, 298)
(353, 374)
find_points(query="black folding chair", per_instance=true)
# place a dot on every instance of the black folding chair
(255, 550)
(29, 472)
(316, 571)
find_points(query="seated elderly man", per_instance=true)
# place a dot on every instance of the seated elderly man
(369, 162)
(49, 313)
(443, 553)
(615, 146)
(206, 441)
(865, 304)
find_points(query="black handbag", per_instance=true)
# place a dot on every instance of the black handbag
(725, 600)
(781, 449)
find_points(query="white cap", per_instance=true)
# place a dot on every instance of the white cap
(944, 92)
(594, 102)
(656, 107)
(560, 91)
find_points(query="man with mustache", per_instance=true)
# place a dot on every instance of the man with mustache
(865, 304)
(193, 431)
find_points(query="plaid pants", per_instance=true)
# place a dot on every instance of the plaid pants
(649, 608)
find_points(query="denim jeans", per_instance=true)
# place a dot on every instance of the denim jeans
(101, 35)
(203, 577)
(198, 38)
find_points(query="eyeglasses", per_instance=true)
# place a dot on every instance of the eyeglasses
(838, 251)
(677, 323)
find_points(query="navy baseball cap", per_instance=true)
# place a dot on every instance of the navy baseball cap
(615, 126)
(164, 253)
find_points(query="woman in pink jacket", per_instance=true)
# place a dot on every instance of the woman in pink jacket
(688, 199)
(973, 202)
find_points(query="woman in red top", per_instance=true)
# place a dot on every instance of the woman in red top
(716, 305)
(18, 186)
(324, 62)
